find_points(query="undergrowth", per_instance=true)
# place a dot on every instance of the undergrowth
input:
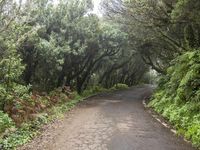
(14, 136)
(178, 96)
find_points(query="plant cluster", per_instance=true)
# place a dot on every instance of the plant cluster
(178, 98)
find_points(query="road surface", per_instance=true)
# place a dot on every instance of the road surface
(115, 121)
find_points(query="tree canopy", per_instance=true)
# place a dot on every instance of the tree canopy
(48, 48)
(46, 45)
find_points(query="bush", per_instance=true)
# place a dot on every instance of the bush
(93, 90)
(5, 122)
(119, 86)
(178, 96)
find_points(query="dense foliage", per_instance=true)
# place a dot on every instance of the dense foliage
(160, 30)
(178, 95)
(48, 46)
(50, 51)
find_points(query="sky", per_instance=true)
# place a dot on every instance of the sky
(96, 6)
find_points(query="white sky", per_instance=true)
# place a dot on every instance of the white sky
(96, 6)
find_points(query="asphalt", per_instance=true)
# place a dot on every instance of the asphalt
(113, 121)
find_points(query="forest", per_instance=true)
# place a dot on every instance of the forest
(54, 53)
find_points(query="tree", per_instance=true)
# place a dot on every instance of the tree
(161, 30)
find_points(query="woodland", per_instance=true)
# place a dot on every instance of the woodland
(54, 54)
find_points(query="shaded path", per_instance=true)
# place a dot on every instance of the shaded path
(114, 121)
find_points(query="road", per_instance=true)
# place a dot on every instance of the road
(114, 121)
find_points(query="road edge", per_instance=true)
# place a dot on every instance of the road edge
(162, 121)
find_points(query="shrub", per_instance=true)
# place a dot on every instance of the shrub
(120, 86)
(93, 90)
(178, 97)
(5, 122)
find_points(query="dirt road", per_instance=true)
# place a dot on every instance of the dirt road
(116, 121)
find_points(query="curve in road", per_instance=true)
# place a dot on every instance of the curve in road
(115, 121)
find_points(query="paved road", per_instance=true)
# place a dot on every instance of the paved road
(116, 121)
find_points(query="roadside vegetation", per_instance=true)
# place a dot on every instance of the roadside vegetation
(55, 53)
(178, 96)
(13, 135)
